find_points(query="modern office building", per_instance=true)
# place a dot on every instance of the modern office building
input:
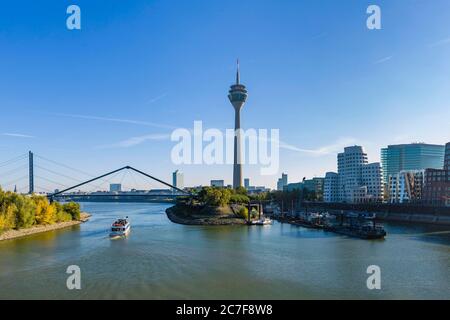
(257, 189)
(315, 185)
(372, 179)
(414, 156)
(218, 183)
(437, 183)
(115, 187)
(246, 183)
(350, 163)
(330, 187)
(282, 182)
(406, 186)
(447, 157)
(237, 96)
(178, 179)
(357, 180)
(297, 186)
(312, 185)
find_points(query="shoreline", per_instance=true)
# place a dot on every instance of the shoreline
(202, 220)
(14, 234)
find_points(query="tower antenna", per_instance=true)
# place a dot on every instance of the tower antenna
(237, 73)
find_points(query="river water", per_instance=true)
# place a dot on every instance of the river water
(162, 260)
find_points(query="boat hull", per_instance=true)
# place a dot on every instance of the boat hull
(124, 233)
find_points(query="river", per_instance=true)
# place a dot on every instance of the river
(162, 260)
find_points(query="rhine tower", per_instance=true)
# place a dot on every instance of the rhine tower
(237, 96)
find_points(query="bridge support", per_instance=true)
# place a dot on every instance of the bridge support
(30, 173)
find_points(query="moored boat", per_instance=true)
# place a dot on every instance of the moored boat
(262, 222)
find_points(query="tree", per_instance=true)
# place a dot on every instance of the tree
(215, 196)
(45, 212)
(239, 199)
(26, 211)
(73, 209)
(240, 190)
(243, 213)
(7, 216)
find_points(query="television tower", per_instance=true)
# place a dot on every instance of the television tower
(237, 96)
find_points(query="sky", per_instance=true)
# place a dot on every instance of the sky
(111, 93)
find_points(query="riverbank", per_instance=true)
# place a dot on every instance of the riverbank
(13, 234)
(210, 217)
(390, 212)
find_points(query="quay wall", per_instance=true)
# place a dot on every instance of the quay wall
(388, 212)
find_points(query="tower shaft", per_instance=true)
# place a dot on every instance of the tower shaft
(237, 167)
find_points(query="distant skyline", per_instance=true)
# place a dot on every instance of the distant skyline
(111, 93)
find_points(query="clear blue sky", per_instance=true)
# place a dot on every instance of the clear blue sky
(312, 69)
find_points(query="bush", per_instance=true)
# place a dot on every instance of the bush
(61, 215)
(215, 196)
(243, 213)
(73, 209)
(45, 212)
(26, 211)
(239, 199)
(7, 216)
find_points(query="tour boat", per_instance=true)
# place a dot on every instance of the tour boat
(120, 227)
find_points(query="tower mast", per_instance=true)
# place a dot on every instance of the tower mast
(238, 96)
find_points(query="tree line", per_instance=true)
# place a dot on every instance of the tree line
(23, 211)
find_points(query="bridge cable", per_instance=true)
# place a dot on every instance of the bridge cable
(13, 171)
(70, 168)
(13, 160)
(14, 181)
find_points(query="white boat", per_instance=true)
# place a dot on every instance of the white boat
(120, 228)
(262, 222)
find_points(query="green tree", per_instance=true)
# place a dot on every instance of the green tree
(73, 209)
(243, 213)
(239, 199)
(26, 211)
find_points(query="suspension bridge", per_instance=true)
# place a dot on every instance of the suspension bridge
(31, 173)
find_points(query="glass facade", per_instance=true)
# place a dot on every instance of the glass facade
(415, 156)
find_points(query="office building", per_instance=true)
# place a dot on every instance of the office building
(282, 182)
(356, 181)
(178, 179)
(246, 183)
(437, 183)
(414, 156)
(217, 183)
(406, 186)
(315, 185)
(115, 187)
(297, 186)
(330, 187)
